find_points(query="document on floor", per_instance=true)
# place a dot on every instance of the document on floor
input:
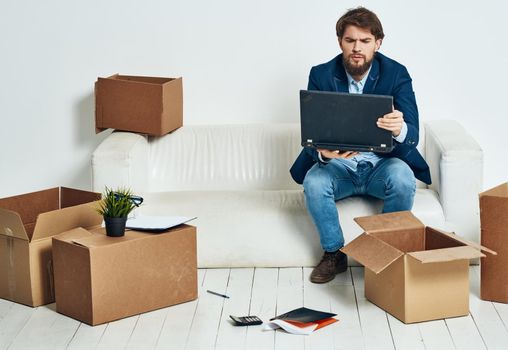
(156, 223)
(301, 321)
(301, 328)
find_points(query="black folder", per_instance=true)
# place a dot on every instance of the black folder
(304, 315)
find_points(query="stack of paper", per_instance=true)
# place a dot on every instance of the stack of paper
(156, 223)
(301, 321)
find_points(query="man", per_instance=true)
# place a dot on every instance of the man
(328, 176)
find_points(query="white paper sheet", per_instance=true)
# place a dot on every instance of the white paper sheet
(156, 222)
(288, 327)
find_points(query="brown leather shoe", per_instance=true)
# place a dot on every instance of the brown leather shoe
(330, 265)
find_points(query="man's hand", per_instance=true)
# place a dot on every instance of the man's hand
(336, 154)
(392, 122)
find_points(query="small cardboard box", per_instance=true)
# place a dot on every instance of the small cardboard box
(147, 105)
(100, 279)
(494, 233)
(415, 273)
(27, 223)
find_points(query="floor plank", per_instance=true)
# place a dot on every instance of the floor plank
(147, 330)
(265, 292)
(46, 329)
(485, 316)
(239, 289)
(289, 297)
(502, 310)
(13, 322)
(343, 300)
(178, 320)
(435, 335)
(464, 333)
(87, 337)
(263, 304)
(117, 334)
(5, 306)
(203, 331)
(405, 336)
(319, 297)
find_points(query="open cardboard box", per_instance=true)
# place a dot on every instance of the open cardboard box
(27, 223)
(148, 105)
(494, 233)
(100, 279)
(414, 272)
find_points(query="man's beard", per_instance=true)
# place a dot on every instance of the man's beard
(355, 70)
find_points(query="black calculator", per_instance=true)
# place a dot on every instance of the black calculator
(246, 320)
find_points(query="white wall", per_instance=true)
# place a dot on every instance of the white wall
(241, 62)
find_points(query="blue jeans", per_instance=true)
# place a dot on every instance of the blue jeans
(391, 180)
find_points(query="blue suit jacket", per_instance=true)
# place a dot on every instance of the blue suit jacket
(386, 77)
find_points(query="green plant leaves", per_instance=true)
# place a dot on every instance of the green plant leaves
(116, 203)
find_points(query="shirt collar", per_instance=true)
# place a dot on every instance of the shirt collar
(360, 83)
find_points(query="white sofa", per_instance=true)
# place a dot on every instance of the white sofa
(235, 179)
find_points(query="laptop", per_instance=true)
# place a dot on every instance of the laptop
(346, 122)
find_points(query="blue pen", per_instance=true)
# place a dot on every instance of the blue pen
(218, 294)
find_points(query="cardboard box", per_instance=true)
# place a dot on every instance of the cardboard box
(415, 273)
(100, 279)
(494, 233)
(27, 223)
(147, 105)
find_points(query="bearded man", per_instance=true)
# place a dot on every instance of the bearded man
(329, 176)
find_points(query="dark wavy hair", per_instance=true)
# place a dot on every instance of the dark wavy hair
(360, 17)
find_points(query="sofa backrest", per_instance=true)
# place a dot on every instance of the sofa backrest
(227, 157)
(224, 157)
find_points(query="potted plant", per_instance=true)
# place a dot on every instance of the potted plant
(115, 207)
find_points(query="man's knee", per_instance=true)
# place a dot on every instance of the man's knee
(401, 177)
(317, 182)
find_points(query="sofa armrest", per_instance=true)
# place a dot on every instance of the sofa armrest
(456, 164)
(121, 160)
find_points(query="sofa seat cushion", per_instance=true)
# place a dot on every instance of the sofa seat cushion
(272, 226)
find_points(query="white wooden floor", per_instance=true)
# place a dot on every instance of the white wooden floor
(265, 292)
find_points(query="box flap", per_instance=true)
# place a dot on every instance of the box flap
(373, 253)
(71, 235)
(70, 197)
(142, 79)
(498, 191)
(407, 240)
(57, 221)
(463, 241)
(401, 220)
(100, 240)
(30, 205)
(11, 224)
(447, 254)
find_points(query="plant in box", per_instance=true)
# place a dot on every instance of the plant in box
(115, 207)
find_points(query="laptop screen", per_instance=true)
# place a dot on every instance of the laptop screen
(343, 121)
